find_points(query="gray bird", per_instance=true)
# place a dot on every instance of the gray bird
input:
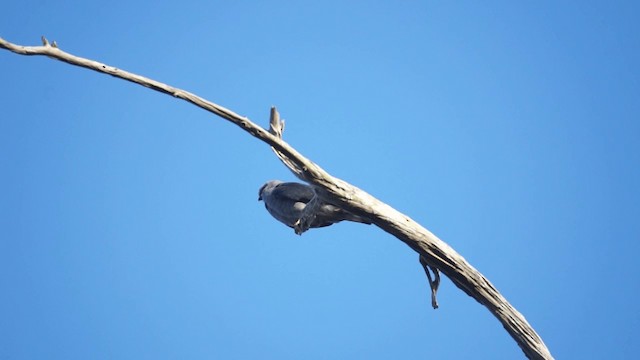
(286, 201)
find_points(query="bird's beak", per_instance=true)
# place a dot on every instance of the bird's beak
(260, 198)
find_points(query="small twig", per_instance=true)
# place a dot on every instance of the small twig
(276, 128)
(433, 284)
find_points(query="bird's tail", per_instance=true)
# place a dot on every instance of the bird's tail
(355, 218)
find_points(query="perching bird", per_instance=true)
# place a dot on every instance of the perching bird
(286, 201)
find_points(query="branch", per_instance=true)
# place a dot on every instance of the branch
(434, 253)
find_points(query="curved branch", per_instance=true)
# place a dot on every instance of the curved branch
(434, 251)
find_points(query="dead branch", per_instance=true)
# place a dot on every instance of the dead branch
(434, 253)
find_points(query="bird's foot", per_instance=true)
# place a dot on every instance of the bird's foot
(301, 226)
(308, 216)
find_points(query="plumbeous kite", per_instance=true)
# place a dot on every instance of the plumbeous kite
(286, 201)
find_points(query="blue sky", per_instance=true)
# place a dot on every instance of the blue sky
(130, 222)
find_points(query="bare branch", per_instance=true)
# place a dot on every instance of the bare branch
(436, 254)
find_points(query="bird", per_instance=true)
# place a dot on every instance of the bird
(286, 202)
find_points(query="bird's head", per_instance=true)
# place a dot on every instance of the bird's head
(267, 188)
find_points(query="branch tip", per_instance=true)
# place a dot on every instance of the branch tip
(276, 126)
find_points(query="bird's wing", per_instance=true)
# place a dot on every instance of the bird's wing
(294, 192)
(298, 195)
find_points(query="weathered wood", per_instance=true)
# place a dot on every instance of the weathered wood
(333, 190)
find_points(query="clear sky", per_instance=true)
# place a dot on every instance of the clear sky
(130, 222)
